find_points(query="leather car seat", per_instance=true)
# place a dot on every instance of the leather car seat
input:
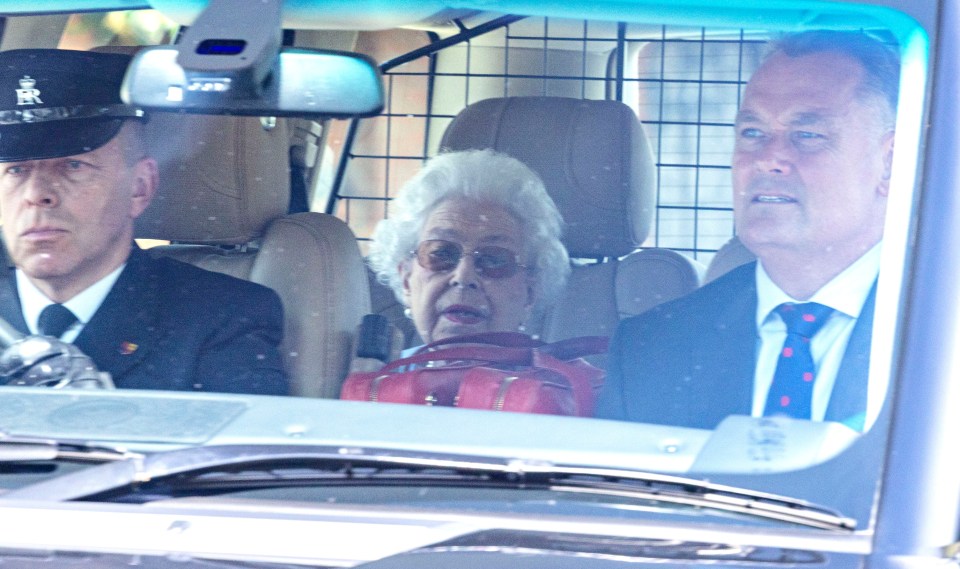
(596, 164)
(731, 255)
(222, 202)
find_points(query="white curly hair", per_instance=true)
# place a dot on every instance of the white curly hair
(484, 176)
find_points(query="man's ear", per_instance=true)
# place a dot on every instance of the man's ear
(886, 146)
(146, 178)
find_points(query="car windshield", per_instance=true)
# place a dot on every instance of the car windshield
(639, 209)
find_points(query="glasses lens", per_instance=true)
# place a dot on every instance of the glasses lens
(495, 262)
(489, 261)
(439, 255)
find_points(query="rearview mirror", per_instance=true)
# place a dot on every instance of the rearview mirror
(301, 82)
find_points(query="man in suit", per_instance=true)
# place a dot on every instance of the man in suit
(811, 170)
(74, 174)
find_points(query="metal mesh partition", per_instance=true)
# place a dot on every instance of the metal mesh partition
(684, 84)
(690, 82)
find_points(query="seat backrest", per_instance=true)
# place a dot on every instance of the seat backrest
(596, 164)
(223, 197)
(731, 255)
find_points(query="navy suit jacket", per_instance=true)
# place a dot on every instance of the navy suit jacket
(690, 362)
(170, 325)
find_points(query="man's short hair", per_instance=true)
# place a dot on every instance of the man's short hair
(56, 103)
(880, 61)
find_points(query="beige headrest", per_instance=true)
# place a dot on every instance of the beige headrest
(592, 156)
(731, 255)
(222, 179)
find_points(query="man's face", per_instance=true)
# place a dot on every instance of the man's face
(811, 163)
(68, 221)
(463, 299)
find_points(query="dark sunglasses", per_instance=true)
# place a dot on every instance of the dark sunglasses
(489, 261)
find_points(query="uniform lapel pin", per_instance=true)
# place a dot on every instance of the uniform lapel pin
(127, 348)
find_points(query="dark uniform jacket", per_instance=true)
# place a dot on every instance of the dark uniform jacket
(170, 325)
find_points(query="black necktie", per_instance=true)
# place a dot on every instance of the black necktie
(55, 319)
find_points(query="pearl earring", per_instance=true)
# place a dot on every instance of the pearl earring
(408, 313)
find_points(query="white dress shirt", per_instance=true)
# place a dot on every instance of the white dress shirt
(846, 294)
(83, 305)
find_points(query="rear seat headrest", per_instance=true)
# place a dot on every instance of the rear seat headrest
(731, 255)
(593, 157)
(222, 179)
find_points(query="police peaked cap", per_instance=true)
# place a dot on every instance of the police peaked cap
(56, 102)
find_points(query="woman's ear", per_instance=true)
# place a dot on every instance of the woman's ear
(403, 269)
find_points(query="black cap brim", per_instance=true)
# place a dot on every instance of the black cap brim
(55, 139)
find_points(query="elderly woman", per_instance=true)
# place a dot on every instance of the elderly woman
(472, 245)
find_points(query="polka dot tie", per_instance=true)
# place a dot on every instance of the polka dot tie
(792, 387)
(55, 319)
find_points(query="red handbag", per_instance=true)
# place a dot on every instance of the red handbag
(500, 371)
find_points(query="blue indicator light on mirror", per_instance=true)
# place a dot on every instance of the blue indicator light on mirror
(221, 47)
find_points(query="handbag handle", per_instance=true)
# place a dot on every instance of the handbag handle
(478, 354)
(502, 339)
(568, 349)
(573, 348)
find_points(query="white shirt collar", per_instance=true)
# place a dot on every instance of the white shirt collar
(83, 305)
(844, 293)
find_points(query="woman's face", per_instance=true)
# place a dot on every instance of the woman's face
(475, 293)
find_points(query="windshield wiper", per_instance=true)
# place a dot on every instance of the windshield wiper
(227, 468)
(19, 449)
